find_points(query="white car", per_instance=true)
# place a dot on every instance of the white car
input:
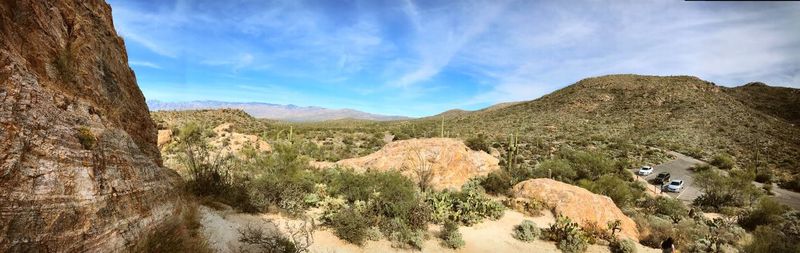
(675, 186)
(645, 170)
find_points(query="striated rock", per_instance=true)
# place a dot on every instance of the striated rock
(450, 161)
(576, 203)
(79, 167)
(228, 142)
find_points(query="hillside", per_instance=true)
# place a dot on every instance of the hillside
(780, 102)
(680, 113)
(274, 111)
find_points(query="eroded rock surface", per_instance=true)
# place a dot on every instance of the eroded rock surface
(577, 203)
(79, 167)
(450, 162)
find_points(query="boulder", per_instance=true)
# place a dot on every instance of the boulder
(450, 162)
(577, 203)
(164, 137)
(79, 167)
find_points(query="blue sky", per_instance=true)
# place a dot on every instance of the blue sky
(418, 58)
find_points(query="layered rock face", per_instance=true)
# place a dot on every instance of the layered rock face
(576, 203)
(79, 166)
(450, 162)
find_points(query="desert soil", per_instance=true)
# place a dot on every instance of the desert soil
(221, 230)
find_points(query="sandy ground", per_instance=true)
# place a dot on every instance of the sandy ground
(221, 230)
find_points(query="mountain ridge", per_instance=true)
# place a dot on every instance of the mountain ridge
(290, 112)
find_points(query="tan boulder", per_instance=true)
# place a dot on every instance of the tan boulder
(450, 162)
(577, 203)
(164, 137)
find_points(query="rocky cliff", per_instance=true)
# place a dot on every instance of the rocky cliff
(79, 166)
(449, 162)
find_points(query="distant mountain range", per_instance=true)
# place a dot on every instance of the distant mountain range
(274, 111)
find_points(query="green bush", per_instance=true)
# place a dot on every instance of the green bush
(670, 208)
(86, 138)
(619, 190)
(498, 182)
(526, 231)
(767, 212)
(350, 225)
(558, 169)
(468, 206)
(568, 235)
(451, 236)
(386, 199)
(723, 161)
(622, 246)
(781, 237)
(478, 143)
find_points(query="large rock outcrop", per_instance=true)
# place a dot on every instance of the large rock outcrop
(576, 203)
(79, 166)
(450, 162)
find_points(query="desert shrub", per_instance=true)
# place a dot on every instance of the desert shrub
(701, 167)
(558, 169)
(498, 182)
(478, 143)
(589, 165)
(666, 207)
(386, 199)
(86, 137)
(654, 230)
(468, 206)
(531, 207)
(270, 242)
(622, 246)
(374, 234)
(451, 236)
(595, 232)
(719, 191)
(64, 64)
(526, 231)
(768, 211)
(350, 225)
(781, 237)
(793, 184)
(723, 161)
(617, 189)
(568, 235)
(764, 176)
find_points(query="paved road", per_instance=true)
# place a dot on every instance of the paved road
(787, 197)
(679, 169)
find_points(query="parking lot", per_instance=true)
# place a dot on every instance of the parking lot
(679, 170)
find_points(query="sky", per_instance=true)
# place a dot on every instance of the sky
(419, 58)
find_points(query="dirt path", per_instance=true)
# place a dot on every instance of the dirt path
(221, 230)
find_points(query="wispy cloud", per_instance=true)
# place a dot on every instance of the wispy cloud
(384, 56)
(144, 64)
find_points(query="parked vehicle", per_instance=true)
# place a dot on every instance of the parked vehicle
(645, 170)
(675, 186)
(662, 178)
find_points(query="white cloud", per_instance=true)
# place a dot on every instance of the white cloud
(144, 64)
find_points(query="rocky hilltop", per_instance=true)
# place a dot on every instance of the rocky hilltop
(449, 162)
(79, 167)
